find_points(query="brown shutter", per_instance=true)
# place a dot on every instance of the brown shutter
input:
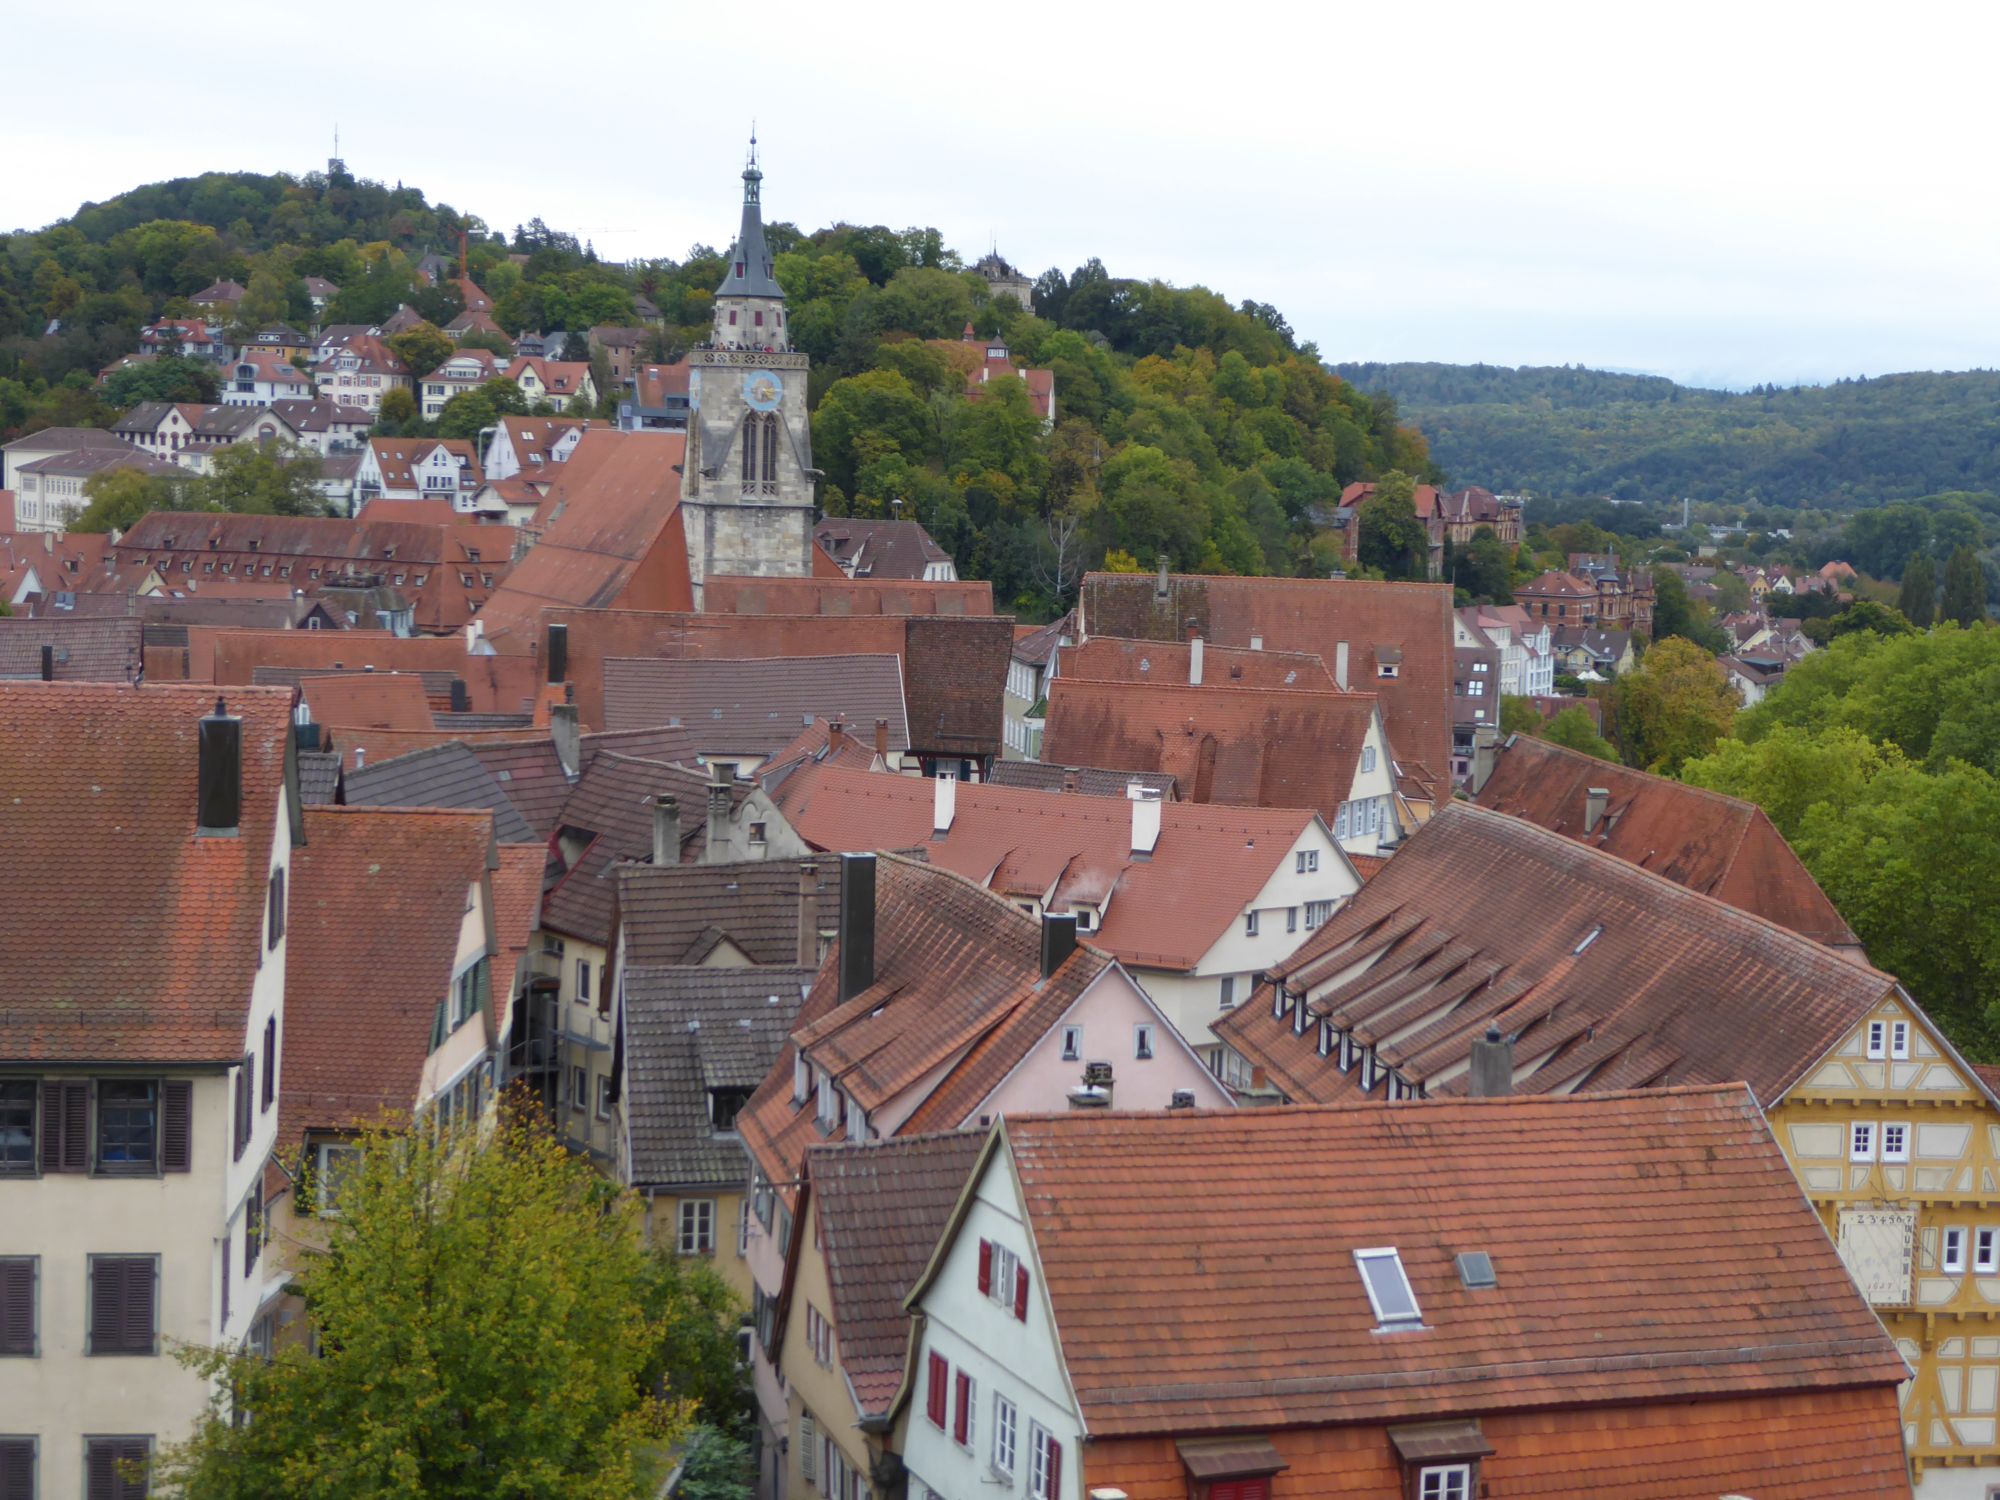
(65, 1127)
(100, 1480)
(135, 1455)
(176, 1125)
(243, 1076)
(17, 1469)
(140, 1274)
(122, 1296)
(17, 1305)
(270, 1061)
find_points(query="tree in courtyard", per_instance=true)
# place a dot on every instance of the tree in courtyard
(119, 498)
(1392, 539)
(423, 348)
(481, 1327)
(1574, 729)
(1674, 707)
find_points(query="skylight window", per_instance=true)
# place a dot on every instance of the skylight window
(1388, 1287)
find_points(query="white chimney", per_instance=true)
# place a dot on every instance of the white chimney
(1194, 662)
(1340, 666)
(944, 805)
(1145, 823)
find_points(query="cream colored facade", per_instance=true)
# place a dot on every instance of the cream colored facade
(208, 1290)
(821, 1406)
(1897, 1144)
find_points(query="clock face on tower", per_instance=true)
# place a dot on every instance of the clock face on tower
(763, 390)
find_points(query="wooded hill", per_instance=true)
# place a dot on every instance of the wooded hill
(1570, 431)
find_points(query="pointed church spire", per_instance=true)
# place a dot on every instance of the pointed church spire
(750, 271)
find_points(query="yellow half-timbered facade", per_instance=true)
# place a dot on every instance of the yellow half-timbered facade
(1896, 1141)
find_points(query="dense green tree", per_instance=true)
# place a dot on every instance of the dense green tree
(482, 1330)
(1392, 539)
(1574, 729)
(1917, 600)
(866, 417)
(1964, 588)
(469, 413)
(397, 415)
(716, 1466)
(1863, 616)
(168, 378)
(1675, 614)
(1789, 771)
(1674, 707)
(1732, 594)
(117, 499)
(423, 348)
(262, 479)
(1484, 568)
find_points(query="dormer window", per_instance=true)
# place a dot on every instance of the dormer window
(1388, 1288)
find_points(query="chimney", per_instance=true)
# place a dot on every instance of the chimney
(1595, 800)
(857, 924)
(219, 792)
(1160, 587)
(1072, 779)
(568, 735)
(1183, 1099)
(944, 805)
(461, 701)
(1340, 666)
(1492, 1075)
(1145, 823)
(558, 652)
(718, 818)
(1194, 661)
(48, 663)
(1058, 941)
(1095, 1092)
(835, 733)
(882, 738)
(808, 915)
(666, 830)
(1484, 753)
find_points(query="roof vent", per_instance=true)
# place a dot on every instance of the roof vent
(1183, 1099)
(1475, 1271)
(1588, 938)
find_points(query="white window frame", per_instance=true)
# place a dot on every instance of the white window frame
(809, 1448)
(1899, 1041)
(971, 1443)
(1444, 1482)
(601, 1104)
(1072, 1044)
(1367, 758)
(1006, 1271)
(1951, 1251)
(1900, 1150)
(1250, 922)
(1986, 1250)
(1144, 1049)
(694, 1226)
(323, 1206)
(1228, 992)
(1362, 1259)
(1878, 1040)
(1038, 1462)
(1006, 1434)
(1861, 1141)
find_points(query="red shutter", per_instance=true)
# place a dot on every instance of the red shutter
(935, 1396)
(17, 1469)
(1055, 1470)
(961, 1406)
(1021, 1293)
(986, 1268)
(17, 1308)
(176, 1125)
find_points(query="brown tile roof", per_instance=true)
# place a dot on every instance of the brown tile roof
(447, 775)
(533, 437)
(1164, 913)
(1088, 781)
(1035, 644)
(559, 378)
(615, 538)
(1710, 843)
(760, 704)
(1311, 615)
(530, 772)
(376, 905)
(954, 670)
(652, 384)
(677, 914)
(880, 1208)
(1108, 659)
(958, 988)
(1608, 975)
(397, 458)
(517, 912)
(85, 650)
(823, 742)
(1248, 747)
(368, 700)
(840, 595)
(1718, 1279)
(879, 550)
(130, 939)
(1557, 585)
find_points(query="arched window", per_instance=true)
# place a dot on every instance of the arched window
(750, 449)
(771, 451)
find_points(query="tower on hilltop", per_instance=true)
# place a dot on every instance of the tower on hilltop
(746, 488)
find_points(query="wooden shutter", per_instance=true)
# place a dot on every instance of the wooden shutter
(1021, 1293)
(960, 1406)
(121, 1304)
(176, 1125)
(986, 1268)
(66, 1127)
(253, 1228)
(1055, 1470)
(270, 1061)
(17, 1305)
(100, 1481)
(244, 1075)
(935, 1396)
(17, 1468)
(228, 1271)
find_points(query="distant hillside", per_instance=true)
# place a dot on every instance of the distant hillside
(1562, 431)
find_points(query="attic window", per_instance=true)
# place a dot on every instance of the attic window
(1475, 1271)
(1588, 938)
(1388, 1287)
(1388, 669)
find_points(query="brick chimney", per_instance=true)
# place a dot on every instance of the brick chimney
(835, 733)
(882, 738)
(808, 915)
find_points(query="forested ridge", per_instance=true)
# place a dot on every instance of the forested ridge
(1562, 431)
(1187, 427)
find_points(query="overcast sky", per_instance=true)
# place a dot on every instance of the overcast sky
(1724, 193)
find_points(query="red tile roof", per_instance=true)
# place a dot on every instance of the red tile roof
(368, 700)
(1247, 747)
(1404, 626)
(377, 902)
(840, 595)
(1164, 912)
(517, 911)
(1710, 843)
(1607, 975)
(397, 458)
(129, 939)
(1717, 1279)
(1107, 659)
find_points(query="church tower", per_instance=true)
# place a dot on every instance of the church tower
(746, 487)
